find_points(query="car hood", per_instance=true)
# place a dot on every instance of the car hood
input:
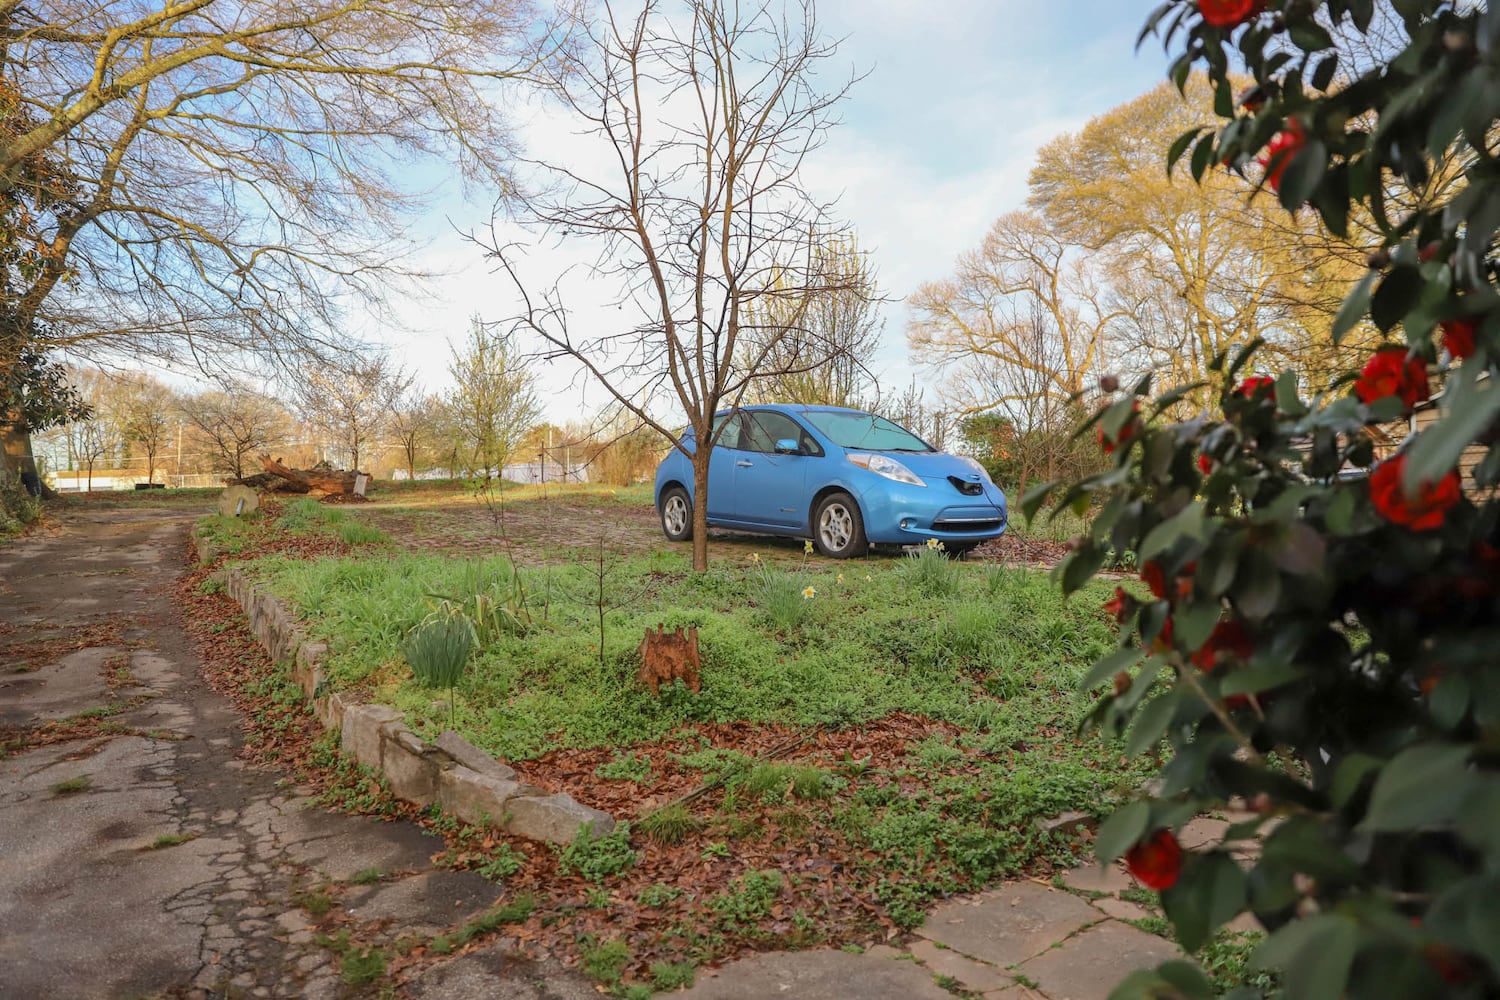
(929, 465)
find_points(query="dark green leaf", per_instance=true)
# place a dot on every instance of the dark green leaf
(1107, 666)
(1193, 623)
(1124, 828)
(1309, 36)
(1203, 156)
(1257, 586)
(1302, 174)
(1286, 394)
(1468, 409)
(1187, 522)
(1351, 775)
(1421, 786)
(1313, 955)
(1263, 677)
(1322, 74)
(1079, 566)
(1180, 145)
(1397, 293)
(1034, 497)
(1151, 722)
(1209, 894)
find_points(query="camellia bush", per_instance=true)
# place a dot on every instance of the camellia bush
(1317, 633)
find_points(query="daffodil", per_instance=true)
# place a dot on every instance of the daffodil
(755, 557)
(841, 578)
(807, 546)
(933, 543)
(808, 593)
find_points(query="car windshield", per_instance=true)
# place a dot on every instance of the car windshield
(849, 429)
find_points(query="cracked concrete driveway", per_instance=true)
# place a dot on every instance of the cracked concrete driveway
(139, 855)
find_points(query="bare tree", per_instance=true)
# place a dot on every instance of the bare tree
(352, 401)
(696, 209)
(416, 422)
(146, 414)
(493, 401)
(94, 442)
(819, 351)
(236, 423)
(227, 173)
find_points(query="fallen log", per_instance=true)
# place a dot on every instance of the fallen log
(314, 481)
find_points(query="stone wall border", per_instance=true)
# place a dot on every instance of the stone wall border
(451, 772)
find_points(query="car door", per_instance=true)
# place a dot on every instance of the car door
(721, 467)
(770, 488)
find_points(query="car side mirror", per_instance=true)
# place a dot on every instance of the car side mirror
(788, 446)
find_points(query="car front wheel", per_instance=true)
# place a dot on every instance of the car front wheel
(676, 515)
(838, 528)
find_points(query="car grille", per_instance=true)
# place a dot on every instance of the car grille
(967, 487)
(975, 519)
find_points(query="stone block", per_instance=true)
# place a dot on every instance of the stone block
(330, 711)
(554, 819)
(1008, 924)
(410, 765)
(360, 735)
(465, 753)
(1091, 964)
(977, 977)
(473, 797)
(310, 654)
(1098, 878)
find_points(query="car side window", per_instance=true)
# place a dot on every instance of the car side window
(730, 437)
(765, 428)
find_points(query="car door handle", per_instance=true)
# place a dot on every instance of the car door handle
(744, 463)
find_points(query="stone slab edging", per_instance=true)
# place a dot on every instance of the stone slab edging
(452, 773)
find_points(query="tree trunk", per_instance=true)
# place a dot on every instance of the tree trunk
(19, 460)
(700, 506)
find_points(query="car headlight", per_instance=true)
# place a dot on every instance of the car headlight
(884, 465)
(971, 463)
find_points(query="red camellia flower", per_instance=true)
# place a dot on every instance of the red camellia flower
(1127, 431)
(1254, 384)
(1279, 152)
(1426, 510)
(1156, 861)
(1205, 464)
(1458, 336)
(1119, 606)
(1228, 13)
(1151, 573)
(1391, 373)
(1227, 640)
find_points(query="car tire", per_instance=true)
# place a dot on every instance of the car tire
(677, 515)
(838, 527)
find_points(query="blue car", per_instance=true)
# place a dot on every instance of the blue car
(845, 478)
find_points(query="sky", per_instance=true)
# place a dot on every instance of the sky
(936, 141)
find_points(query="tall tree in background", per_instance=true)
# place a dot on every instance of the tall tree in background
(147, 418)
(705, 119)
(352, 401)
(234, 423)
(416, 422)
(229, 169)
(818, 349)
(493, 402)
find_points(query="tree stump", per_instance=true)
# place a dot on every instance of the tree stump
(668, 656)
(238, 501)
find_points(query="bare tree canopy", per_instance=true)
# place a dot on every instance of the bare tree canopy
(493, 402)
(226, 180)
(696, 211)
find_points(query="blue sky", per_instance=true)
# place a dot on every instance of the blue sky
(936, 141)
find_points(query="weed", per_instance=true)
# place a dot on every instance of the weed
(315, 901)
(514, 912)
(597, 897)
(211, 585)
(358, 533)
(362, 966)
(597, 858)
(717, 849)
(849, 767)
(171, 840)
(367, 876)
(626, 767)
(800, 781)
(930, 572)
(503, 861)
(71, 786)
(784, 597)
(671, 825)
(656, 895)
(605, 961)
(672, 975)
(747, 901)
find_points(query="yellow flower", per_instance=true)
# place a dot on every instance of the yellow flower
(841, 578)
(933, 543)
(755, 557)
(869, 578)
(807, 546)
(808, 593)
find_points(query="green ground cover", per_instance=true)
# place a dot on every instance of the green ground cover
(931, 707)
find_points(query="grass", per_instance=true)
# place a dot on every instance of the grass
(71, 786)
(171, 840)
(868, 646)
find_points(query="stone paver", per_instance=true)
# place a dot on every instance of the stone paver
(1098, 878)
(424, 904)
(1008, 925)
(1089, 965)
(1202, 832)
(817, 975)
(968, 973)
(1121, 909)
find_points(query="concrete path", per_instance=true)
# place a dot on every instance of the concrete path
(146, 859)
